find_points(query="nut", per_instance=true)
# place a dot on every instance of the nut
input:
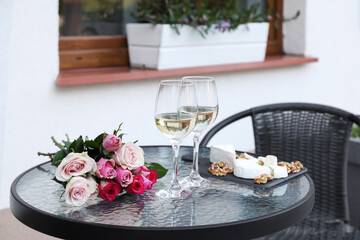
(269, 177)
(243, 156)
(263, 178)
(220, 169)
(261, 160)
(292, 167)
(260, 180)
(298, 164)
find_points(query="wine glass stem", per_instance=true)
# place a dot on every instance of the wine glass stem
(195, 168)
(174, 185)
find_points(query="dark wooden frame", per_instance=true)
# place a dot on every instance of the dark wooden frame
(110, 51)
(275, 43)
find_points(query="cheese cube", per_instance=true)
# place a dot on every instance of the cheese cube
(249, 170)
(269, 160)
(225, 153)
(279, 171)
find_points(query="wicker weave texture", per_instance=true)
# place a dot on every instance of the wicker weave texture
(316, 227)
(317, 139)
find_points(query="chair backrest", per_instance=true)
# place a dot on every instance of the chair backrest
(316, 135)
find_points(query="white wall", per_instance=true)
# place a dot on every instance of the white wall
(5, 40)
(36, 109)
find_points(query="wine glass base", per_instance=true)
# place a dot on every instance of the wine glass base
(190, 182)
(178, 194)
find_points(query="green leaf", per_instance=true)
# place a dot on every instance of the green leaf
(92, 144)
(99, 139)
(355, 132)
(161, 171)
(79, 146)
(59, 156)
(71, 148)
(121, 135)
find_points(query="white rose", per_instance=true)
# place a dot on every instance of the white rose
(79, 190)
(75, 164)
(129, 156)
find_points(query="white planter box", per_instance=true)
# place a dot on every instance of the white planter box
(159, 47)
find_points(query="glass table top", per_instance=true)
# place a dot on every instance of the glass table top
(221, 202)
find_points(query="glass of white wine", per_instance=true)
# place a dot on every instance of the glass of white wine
(172, 96)
(208, 107)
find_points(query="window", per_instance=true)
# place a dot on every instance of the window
(93, 32)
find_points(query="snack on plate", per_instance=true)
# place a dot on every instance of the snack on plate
(279, 171)
(286, 164)
(292, 167)
(220, 169)
(224, 153)
(249, 169)
(242, 155)
(263, 178)
(225, 160)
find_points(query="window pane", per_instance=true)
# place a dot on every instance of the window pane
(94, 17)
(106, 17)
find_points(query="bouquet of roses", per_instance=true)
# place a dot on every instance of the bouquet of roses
(104, 166)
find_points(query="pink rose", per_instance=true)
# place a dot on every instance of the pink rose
(79, 190)
(105, 168)
(145, 172)
(152, 176)
(111, 143)
(75, 164)
(147, 183)
(137, 186)
(109, 189)
(129, 156)
(123, 176)
(140, 169)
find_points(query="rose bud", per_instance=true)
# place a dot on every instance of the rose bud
(111, 143)
(140, 169)
(147, 183)
(75, 164)
(129, 156)
(123, 176)
(105, 168)
(79, 190)
(145, 172)
(137, 186)
(109, 189)
(152, 176)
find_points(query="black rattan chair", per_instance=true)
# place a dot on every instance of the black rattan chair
(318, 136)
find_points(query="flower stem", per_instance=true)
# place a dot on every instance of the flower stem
(57, 143)
(46, 154)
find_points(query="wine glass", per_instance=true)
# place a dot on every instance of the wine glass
(173, 95)
(207, 112)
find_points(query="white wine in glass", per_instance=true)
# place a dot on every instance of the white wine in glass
(207, 112)
(175, 125)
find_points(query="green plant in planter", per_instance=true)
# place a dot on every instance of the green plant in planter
(355, 132)
(225, 15)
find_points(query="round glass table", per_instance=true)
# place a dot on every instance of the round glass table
(221, 210)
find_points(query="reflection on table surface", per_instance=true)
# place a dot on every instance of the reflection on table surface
(222, 202)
